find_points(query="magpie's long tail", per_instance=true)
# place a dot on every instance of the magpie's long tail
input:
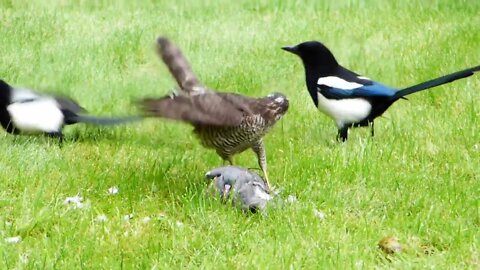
(436, 82)
(178, 65)
(104, 121)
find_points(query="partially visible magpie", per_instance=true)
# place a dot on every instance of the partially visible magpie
(25, 111)
(350, 99)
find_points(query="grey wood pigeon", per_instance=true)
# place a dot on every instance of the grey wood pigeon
(247, 189)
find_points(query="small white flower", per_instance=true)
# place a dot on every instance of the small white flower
(154, 188)
(75, 200)
(275, 191)
(8, 223)
(24, 258)
(319, 214)
(113, 190)
(359, 264)
(291, 199)
(13, 240)
(102, 218)
(128, 217)
(179, 224)
(145, 220)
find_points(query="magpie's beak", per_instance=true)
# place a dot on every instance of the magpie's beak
(291, 49)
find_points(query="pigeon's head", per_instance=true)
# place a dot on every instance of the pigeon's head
(313, 53)
(224, 178)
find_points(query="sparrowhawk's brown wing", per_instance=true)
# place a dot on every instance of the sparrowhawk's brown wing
(206, 109)
(179, 67)
(270, 108)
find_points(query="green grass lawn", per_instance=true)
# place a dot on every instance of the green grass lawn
(417, 179)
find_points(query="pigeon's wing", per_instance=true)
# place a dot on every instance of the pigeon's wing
(206, 109)
(230, 171)
(252, 196)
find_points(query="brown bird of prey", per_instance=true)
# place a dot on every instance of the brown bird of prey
(227, 122)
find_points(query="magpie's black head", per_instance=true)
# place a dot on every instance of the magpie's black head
(5, 92)
(313, 54)
(4, 86)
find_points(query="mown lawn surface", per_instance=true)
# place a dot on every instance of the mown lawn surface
(417, 179)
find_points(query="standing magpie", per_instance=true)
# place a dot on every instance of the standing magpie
(25, 111)
(348, 98)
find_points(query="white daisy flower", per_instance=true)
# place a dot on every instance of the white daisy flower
(127, 217)
(319, 214)
(113, 190)
(24, 258)
(13, 240)
(76, 201)
(102, 218)
(291, 199)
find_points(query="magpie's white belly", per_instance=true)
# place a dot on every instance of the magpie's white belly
(42, 115)
(344, 111)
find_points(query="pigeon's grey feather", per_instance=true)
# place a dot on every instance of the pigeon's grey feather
(247, 189)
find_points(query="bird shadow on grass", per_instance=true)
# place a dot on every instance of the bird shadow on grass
(105, 136)
(89, 135)
(171, 175)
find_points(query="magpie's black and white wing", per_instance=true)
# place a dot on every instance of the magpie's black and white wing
(347, 84)
(23, 95)
(68, 104)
